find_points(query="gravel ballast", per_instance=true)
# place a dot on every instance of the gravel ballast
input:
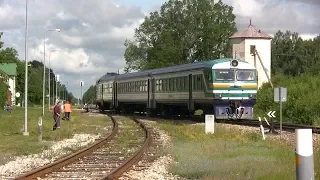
(23, 164)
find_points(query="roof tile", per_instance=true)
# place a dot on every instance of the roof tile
(251, 32)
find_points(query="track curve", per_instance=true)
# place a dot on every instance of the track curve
(102, 160)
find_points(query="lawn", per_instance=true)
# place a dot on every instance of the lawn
(13, 143)
(229, 154)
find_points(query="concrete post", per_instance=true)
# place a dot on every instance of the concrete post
(304, 154)
(40, 129)
(209, 123)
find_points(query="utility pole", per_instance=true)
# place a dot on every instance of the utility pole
(53, 80)
(81, 98)
(26, 133)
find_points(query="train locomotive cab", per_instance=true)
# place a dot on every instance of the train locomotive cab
(234, 89)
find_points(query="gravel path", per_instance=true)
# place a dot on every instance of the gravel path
(23, 164)
(157, 169)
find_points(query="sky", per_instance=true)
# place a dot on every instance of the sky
(93, 32)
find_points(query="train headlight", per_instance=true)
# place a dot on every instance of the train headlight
(218, 96)
(252, 96)
(234, 63)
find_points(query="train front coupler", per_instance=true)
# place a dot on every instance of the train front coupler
(237, 113)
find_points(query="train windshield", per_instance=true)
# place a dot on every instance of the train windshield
(245, 75)
(224, 75)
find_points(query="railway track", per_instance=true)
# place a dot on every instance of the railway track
(275, 125)
(109, 158)
(290, 127)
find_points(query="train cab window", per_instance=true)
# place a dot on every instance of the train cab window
(224, 75)
(245, 75)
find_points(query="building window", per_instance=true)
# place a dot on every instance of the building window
(252, 49)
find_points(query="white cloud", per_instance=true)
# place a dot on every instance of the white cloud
(93, 32)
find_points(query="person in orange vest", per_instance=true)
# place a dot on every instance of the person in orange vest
(67, 110)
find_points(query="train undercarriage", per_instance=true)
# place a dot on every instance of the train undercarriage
(237, 109)
(222, 109)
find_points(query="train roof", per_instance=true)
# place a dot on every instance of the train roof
(184, 67)
(107, 77)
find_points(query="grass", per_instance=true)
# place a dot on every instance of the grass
(229, 154)
(13, 143)
(131, 134)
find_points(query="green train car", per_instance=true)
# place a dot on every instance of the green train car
(224, 87)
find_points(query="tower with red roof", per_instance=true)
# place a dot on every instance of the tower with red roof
(243, 42)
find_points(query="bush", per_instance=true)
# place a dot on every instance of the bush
(302, 102)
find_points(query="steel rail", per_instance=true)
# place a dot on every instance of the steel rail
(276, 125)
(134, 159)
(39, 172)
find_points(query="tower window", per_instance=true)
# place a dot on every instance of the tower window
(252, 49)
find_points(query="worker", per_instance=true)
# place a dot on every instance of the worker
(67, 110)
(56, 115)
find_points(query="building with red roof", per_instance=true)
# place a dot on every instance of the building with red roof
(243, 42)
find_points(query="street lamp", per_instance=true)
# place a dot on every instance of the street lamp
(49, 74)
(44, 67)
(26, 133)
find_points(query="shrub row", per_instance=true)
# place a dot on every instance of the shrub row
(303, 99)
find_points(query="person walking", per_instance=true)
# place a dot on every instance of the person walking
(67, 110)
(56, 115)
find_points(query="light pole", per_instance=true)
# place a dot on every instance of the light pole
(26, 133)
(44, 67)
(49, 74)
(81, 98)
(53, 80)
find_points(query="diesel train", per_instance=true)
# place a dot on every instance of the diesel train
(224, 87)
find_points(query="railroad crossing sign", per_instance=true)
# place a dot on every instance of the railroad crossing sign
(271, 113)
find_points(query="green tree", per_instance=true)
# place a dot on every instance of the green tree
(291, 55)
(181, 32)
(90, 95)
